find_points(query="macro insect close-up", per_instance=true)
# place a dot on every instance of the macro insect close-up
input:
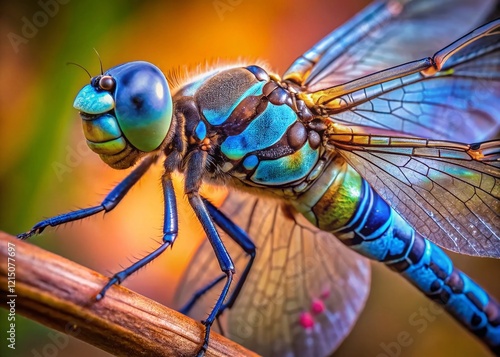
(372, 144)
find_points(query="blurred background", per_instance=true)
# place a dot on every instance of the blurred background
(47, 169)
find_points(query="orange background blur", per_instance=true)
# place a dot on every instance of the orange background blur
(46, 169)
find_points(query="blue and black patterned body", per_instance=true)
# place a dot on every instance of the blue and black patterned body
(378, 232)
(263, 143)
(254, 131)
(335, 151)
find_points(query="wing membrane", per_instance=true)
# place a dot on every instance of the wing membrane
(297, 266)
(449, 192)
(384, 35)
(459, 102)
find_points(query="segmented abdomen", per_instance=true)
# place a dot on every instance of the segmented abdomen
(343, 203)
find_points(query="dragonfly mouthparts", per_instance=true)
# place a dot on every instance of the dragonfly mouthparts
(87, 116)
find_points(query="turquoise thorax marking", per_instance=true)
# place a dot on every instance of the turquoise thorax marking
(200, 131)
(286, 169)
(250, 162)
(219, 116)
(265, 130)
(91, 101)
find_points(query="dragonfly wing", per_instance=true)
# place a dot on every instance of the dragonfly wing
(384, 35)
(460, 105)
(305, 289)
(449, 192)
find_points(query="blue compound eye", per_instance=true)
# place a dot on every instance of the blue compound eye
(143, 104)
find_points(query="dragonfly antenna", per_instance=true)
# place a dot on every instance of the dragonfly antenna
(79, 65)
(100, 62)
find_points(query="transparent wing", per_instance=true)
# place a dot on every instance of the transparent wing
(386, 34)
(305, 289)
(459, 103)
(449, 192)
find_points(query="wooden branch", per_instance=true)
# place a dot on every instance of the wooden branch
(61, 294)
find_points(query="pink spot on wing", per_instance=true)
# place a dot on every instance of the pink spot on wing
(317, 306)
(325, 294)
(306, 320)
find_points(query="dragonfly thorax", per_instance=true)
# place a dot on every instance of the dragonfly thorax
(253, 129)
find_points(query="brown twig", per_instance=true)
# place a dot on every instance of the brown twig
(61, 294)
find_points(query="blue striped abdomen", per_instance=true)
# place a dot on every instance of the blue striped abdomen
(343, 203)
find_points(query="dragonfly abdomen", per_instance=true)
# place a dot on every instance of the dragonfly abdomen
(344, 204)
(332, 200)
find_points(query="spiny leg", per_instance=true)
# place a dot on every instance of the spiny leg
(240, 237)
(109, 202)
(170, 229)
(223, 258)
(199, 293)
(194, 174)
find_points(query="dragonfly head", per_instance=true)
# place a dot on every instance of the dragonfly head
(126, 112)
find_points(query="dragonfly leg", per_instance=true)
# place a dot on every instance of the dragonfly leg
(194, 173)
(110, 202)
(199, 293)
(225, 262)
(119, 277)
(215, 312)
(241, 238)
(170, 229)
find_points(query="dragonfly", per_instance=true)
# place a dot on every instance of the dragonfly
(378, 142)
